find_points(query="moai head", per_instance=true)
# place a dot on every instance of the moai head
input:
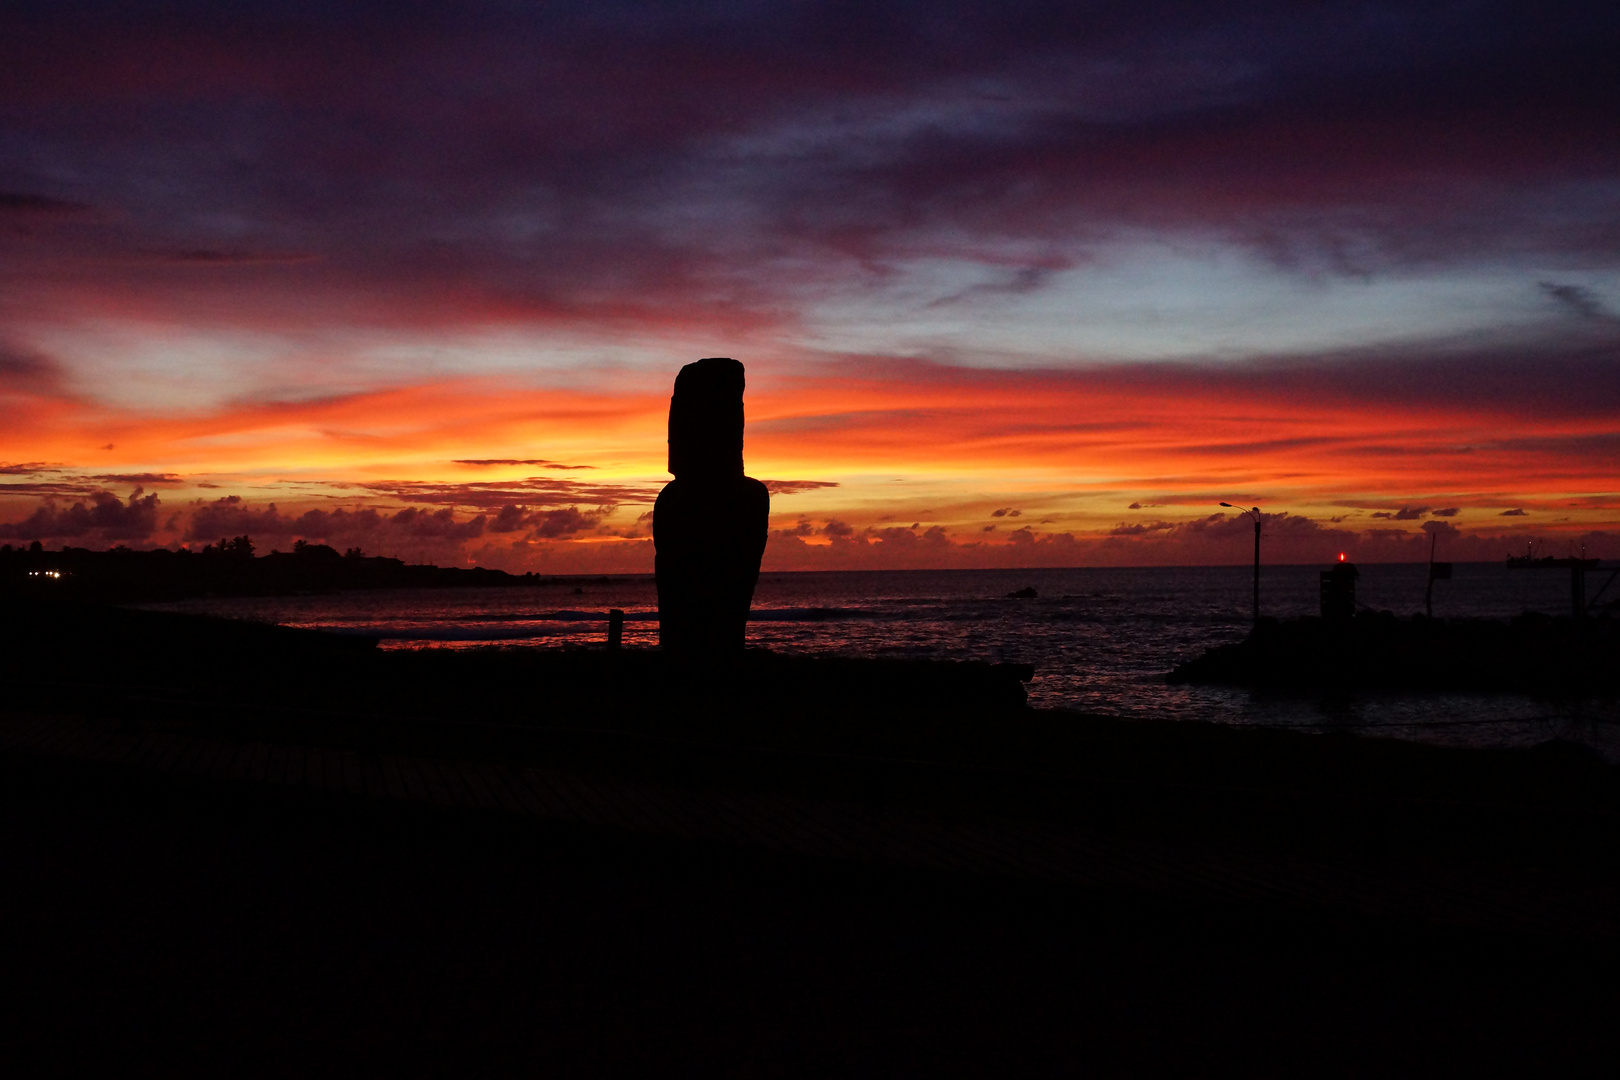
(706, 420)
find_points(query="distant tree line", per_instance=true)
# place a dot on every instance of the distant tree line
(226, 568)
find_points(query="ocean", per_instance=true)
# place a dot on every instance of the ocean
(1101, 640)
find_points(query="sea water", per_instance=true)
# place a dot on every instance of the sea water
(1101, 640)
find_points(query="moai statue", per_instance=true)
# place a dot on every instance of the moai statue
(709, 523)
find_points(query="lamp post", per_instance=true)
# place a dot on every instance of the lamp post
(1254, 513)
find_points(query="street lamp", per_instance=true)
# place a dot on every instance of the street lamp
(1254, 513)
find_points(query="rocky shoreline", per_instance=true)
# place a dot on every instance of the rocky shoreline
(1378, 651)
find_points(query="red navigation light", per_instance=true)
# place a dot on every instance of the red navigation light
(1341, 556)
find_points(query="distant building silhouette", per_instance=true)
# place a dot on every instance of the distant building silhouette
(1338, 587)
(710, 522)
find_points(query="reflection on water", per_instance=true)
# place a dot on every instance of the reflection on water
(1101, 639)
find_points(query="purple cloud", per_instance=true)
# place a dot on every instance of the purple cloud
(619, 160)
(104, 517)
(793, 487)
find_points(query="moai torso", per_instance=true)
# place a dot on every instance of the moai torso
(710, 522)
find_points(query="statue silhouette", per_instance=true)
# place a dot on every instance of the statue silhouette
(710, 522)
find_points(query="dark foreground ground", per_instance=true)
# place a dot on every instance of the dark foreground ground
(154, 926)
(232, 851)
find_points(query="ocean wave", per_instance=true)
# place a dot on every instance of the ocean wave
(470, 633)
(818, 614)
(566, 615)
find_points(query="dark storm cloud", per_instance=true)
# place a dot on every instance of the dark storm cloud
(57, 481)
(203, 257)
(547, 524)
(22, 203)
(27, 371)
(1593, 446)
(1555, 381)
(234, 516)
(554, 524)
(1258, 446)
(538, 490)
(64, 488)
(1141, 528)
(103, 517)
(138, 478)
(379, 530)
(1023, 279)
(1577, 301)
(793, 487)
(619, 159)
(437, 524)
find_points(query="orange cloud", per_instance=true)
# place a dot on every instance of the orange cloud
(887, 451)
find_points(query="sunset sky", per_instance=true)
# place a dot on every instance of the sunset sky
(1016, 284)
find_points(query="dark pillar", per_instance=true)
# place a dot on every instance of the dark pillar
(710, 522)
(1257, 566)
(1339, 592)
